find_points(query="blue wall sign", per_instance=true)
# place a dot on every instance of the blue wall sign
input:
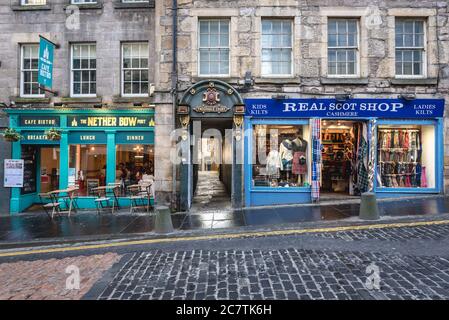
(86, 137)
(36, 137)
(146, 137)
(353, 108)
(45, 65)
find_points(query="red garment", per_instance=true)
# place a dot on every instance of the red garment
(299, 163)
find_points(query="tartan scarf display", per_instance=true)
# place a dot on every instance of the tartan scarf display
(315, 124)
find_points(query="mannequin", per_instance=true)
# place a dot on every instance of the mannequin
(286, 153)
(299, 148)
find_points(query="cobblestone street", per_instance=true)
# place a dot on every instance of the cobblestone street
(382, 262)
(295, 272)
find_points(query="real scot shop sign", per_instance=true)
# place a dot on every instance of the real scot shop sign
(353, 108)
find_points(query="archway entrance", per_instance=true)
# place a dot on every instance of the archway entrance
(211, 173)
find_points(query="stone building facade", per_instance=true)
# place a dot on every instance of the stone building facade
(106, 23)
(375, 77)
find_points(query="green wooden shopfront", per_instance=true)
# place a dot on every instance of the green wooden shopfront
(95, 146)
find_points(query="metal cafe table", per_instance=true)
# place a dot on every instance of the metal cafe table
(68, 197)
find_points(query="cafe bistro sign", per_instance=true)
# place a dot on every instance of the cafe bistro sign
(98, 121)
(353, 108)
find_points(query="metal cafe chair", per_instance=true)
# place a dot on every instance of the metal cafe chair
(49, 203)
(137, 197)
(103, 201)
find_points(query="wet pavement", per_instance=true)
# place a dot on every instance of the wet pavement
(35, 226)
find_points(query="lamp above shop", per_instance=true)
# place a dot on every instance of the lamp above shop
(279, 96)
(407, 96)
(341, 97)
(183, 110)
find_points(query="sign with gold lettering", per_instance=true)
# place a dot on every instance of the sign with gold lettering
(39, 121)
(102, 121)
(134, 137)
(36, 137)
(87, 137)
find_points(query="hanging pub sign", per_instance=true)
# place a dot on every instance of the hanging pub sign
(39, 121)
(99, 121)
(352, 108)
(45, 64)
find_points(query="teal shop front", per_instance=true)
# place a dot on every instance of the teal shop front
(97, 147)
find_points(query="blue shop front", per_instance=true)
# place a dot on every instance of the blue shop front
(309, 150)
(96, 147)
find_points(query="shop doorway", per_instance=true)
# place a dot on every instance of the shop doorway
(212, 166)
(344, 159)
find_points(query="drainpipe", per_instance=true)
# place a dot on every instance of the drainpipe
(174, 88)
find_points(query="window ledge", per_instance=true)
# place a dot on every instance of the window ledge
(120, 99)
(228, 79)
(417, 81)
(31, 8)
(142, 5)
(337, 80)
(25, 100)
(278, 80)
(86, 6)
(74, 100)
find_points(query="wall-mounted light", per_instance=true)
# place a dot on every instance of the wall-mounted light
(183, 109)
(279, 96)
(341, 97)
(407, 96)
(239, 109)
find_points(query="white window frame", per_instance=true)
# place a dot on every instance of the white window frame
(23, 3)
(273, 75)
(357, 59)
(122, 73)
(424, 49)
(228, 47)
(72, 45)
(22, 78)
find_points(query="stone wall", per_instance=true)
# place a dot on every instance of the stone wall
(310, 65)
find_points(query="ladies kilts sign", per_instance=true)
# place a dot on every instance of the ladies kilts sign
(352, 108)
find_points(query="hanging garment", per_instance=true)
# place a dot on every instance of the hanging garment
(423, 178)
(299, 163)
(315, 124)
(274, 163)
(286, 153)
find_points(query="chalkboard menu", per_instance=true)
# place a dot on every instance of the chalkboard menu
(29, 169)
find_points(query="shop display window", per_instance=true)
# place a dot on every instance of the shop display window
(135, 165)
(281, 156)
(87, 167)
(406, 156)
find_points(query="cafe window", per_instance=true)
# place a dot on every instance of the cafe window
(87, 167)
(84, 70)
(135, 69)
(49, 169)
(135, 165)
(406, 156)
(29, 70)
(281, 156)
